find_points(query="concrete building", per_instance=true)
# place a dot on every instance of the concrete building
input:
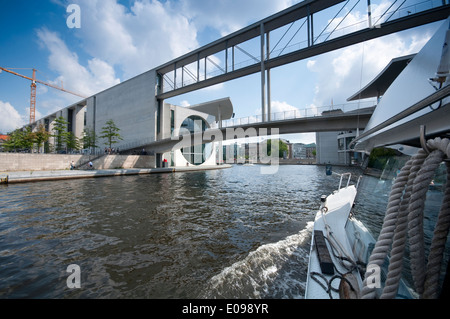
(143, 119)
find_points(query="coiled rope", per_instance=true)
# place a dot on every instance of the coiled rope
(404, 218)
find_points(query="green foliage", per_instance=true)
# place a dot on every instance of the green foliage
(89, 139)
(28, 138)
(72, 142)
(110, 132)
(282, 147)
(21, 140)
(41, 136)
(14, 142)
(379, 157)
(60, 133)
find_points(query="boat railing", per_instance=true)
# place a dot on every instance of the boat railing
(348, 181)
(359, 179)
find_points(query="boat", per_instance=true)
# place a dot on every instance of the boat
(413, 119)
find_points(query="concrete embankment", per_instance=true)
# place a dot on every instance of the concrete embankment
(36, 176)
(10, 162)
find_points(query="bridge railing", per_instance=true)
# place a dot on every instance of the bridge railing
(297, 113)
(277, 116)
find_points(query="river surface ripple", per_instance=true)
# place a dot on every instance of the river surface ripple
(231, 233)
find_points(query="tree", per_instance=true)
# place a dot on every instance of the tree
(41, 136)
(60, 133)
(282, 147)
(28, 138)
(20, 140)
(14, 141)
(379, 157)
(90, 139)
(72, 142)
(110, 132)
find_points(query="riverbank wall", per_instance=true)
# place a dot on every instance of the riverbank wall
(55, 175)
(10, 162)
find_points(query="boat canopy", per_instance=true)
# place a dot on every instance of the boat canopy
(418, 96)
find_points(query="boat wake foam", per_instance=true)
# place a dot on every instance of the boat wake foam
(276, 270)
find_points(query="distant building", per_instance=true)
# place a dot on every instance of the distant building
(303, 151)
(310, 150)
(3, 139)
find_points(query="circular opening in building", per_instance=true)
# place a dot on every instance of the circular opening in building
(195, 154)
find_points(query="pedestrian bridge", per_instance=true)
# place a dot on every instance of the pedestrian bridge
(332, 119)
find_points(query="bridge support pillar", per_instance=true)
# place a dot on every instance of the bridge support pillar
(263, 75)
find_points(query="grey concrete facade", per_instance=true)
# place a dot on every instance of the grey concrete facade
(131, 105)
(327, 148)
(333, 148)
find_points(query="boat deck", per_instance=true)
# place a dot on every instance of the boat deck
(339, 205)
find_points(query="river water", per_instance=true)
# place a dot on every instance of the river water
(229, 233)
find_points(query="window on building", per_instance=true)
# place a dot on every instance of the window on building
(172, 122)
(341, 145)
(195, 154)
(348, 140)
(158, 117)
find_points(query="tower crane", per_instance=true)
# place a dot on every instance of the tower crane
(33, 89)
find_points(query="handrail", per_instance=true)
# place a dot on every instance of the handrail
(348, 181)
(300, 113)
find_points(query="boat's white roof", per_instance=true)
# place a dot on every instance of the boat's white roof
(411, 86)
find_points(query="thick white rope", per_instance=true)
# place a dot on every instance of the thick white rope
(405, 215)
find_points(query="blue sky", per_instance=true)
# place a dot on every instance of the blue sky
(119, 39)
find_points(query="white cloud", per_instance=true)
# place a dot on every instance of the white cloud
(227, 16)
(185, 103)
(278, 107)
(137, 39)
(50, 105)
(280, 110)
(339, 72)
(10, 119)
(310, 64)
(75, 77)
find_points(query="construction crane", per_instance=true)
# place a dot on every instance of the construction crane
(33, 89)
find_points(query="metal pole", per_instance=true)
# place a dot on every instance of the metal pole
(175, 76)
(369, 13)
(232, 57)
(198, 67)
(263, 76)
(309, 27)
(226, 57)
(269, 107)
